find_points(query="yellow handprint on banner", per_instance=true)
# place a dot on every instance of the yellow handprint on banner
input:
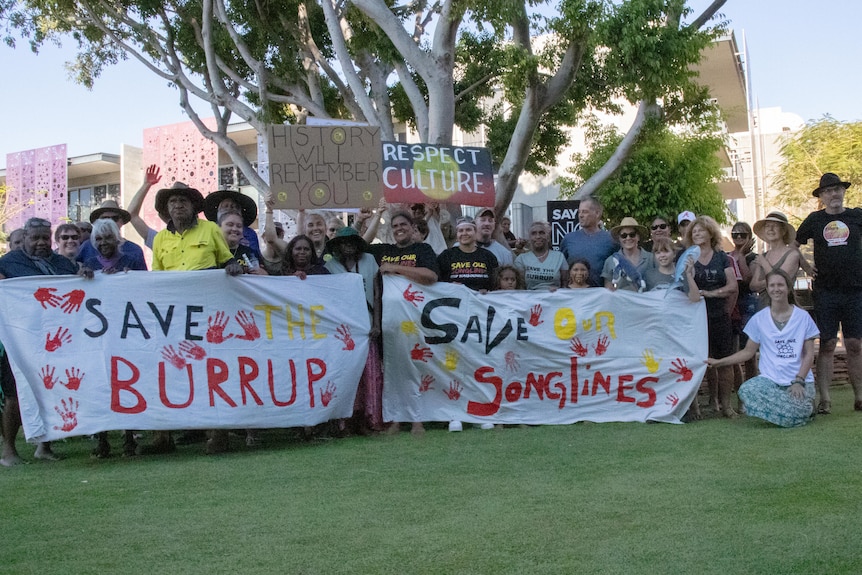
(649, 361)
(451, 360)
(409, 328)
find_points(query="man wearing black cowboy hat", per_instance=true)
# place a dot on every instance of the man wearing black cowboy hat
(178, 247)
(225, 200)
(188, 243)
(837, 235)
(110, 210)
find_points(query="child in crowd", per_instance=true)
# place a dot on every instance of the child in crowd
(661, 276)
(579, 274)
(509, 278)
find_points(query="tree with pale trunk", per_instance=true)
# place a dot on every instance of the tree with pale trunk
(824, 145)
(522, 71)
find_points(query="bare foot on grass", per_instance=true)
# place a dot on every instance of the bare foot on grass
(45, 453)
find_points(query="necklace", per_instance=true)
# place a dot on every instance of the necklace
(543, 257)
(781, 320)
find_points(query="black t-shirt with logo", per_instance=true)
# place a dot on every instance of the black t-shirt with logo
(474, 270)
(837, 247)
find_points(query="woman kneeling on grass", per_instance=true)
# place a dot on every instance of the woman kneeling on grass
(783, 393)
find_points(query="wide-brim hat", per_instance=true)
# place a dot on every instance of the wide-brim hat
(110, 206)
(347, 235)
(826, 180)
(246, 205)
(181, 189)
(629, 222)
(788, 230)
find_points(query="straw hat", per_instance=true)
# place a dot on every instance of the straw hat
(788, 231)
(629, 222)
(110, 206)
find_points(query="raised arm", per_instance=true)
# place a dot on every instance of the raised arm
(273, 242)
(151, 178)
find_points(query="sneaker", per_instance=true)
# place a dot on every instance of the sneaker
(487, 426)
(455, 426)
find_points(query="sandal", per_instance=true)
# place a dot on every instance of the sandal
(857, 405)
(825, 407)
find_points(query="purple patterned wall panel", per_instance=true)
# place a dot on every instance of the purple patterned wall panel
(183, 154)
(37, 180)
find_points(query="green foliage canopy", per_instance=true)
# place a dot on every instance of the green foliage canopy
(824, 145)
(665, 174)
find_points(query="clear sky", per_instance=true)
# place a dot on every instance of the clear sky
(804, 57)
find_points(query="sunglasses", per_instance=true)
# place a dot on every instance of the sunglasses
(738, 235)
(658, 227)
(333, 229)
(626, 235)
(69, 237)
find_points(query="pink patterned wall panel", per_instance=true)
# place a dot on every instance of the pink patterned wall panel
(182, 154)
(37, 180)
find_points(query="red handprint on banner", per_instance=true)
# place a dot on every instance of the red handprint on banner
(342, 334)
(511, 361)
(426, 382)
(671, 400)
(73, 302)
(535, 315)
(53, 343)
(680, 367)
(47, 375)
(248, 324)
(73, 379)
(602, 345)
(215, 328)
(422, 354)
(68, 414)
(578, 347)
(47, 296)
(171, 356)
(192, 350)
(327, 394)
(413, 296)
(454, 391)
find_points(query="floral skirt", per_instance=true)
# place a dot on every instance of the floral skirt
(765, 399)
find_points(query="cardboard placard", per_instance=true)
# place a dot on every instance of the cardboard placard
(324, 166)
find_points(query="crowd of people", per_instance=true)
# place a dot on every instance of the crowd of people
(748, 296)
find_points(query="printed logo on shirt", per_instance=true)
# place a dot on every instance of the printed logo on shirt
(784, 348)
(836, 233)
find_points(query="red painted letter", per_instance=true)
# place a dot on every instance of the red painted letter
(248, 372)
(312, 377)
(275, 401)
(163, 392)
(642, 387)
(118, 385)
(216, 375)
(486, 409)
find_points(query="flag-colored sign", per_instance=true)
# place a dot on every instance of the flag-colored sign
(539, 357)
(182, 350)
(324, 166)
(426, 173)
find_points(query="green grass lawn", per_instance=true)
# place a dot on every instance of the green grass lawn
(716, 496)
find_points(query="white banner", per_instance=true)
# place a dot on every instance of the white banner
(539, 357)
(182, 350)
